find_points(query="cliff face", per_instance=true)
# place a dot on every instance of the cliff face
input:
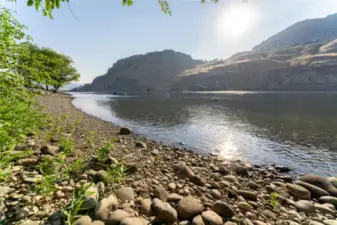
(303, 57)
(154, 70)
(304, 32)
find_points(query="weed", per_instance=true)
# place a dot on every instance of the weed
(103, 152)
(274, 200)
(117, 173)
(157, 158)
(67, 145)
(72, 211)
(46, 186)
(76, 167)
(90, 139)
(5, 172)
(47, 166)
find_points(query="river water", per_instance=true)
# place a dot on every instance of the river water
(298, 130)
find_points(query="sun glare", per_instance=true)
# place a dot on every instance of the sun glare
(235, 21)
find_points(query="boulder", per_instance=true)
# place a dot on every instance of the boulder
(161, 193)
(198, 220)
(248, 195)
(329, 199)
(241, 170)
(316, 192)
(140, 144)
(320, 182)
(83, 220)
(145, 207)
(298, 191)
(245, 206)
(182, 171)
(231, 178)
(50, 150)
(105, 207)
(305, 206)
(197, 180)
(125, 194)
(333, 181)
(124, 131)
(189, 207)
(116, 217)
(134, 221)
(222, 209)
(211, 218)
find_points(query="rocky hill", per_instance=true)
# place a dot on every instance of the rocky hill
(303, 32)
(154, 70)
(310, 67)
(301, 58)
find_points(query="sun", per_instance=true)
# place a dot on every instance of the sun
(236, 20)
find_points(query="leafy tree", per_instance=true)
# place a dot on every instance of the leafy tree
(44, 66)
(48, 6)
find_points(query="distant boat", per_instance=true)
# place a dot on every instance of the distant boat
(118, 93)
(215, 98)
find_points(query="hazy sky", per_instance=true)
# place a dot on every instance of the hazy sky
(106, 31)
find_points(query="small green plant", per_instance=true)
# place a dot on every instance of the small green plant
(76, 167)
(72, 211)
(47, 166)
(103, 152)
(157, 158)
(5, 172)
(46, 186)
(117, 173)
(67, 145)
(274, 200)
(90, 139)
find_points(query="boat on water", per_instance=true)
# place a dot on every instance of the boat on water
(118, 93)
(215, 98)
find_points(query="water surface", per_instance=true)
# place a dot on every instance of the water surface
(298, 130)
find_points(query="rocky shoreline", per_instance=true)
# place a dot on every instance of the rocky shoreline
(141, 181)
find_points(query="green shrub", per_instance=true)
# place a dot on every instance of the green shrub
(274, 200)
(67, 145)
(104, 151)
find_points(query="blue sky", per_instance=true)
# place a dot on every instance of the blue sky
(106, 31)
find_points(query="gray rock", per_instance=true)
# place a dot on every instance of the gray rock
(50, 150)
(140, 144)
(134, 221)
(231, 178)
(305, 206)
(155, 152)
(125, 194)
(124, 131)
(26, 211)
(102, 176)
(311, 222)
(30, 222)
(211, 218)
(164, 212)
(172, 186)
(197, 180)
(4, 190)
(253, 185)
(316, 192)
(222, 209)
(83, 220)
(241, 170)
(269, 214)
(320, 182)
(32, 178)
(97, 222)
(91, 198)
(198, 220)
(182, 171)
(324, 209)
(333, 181)
(174, 197)
(145, 207)
(161, 193)
(298, 191)
(216, 194)
(189, 207)
(105, 207)
(115, 217)
(249, 195)
(328, 199)
(330, 222)
(245, 206)
(223, 170)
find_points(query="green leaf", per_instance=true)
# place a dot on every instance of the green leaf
(30, 2)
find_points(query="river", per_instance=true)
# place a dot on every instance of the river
(294, 129)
